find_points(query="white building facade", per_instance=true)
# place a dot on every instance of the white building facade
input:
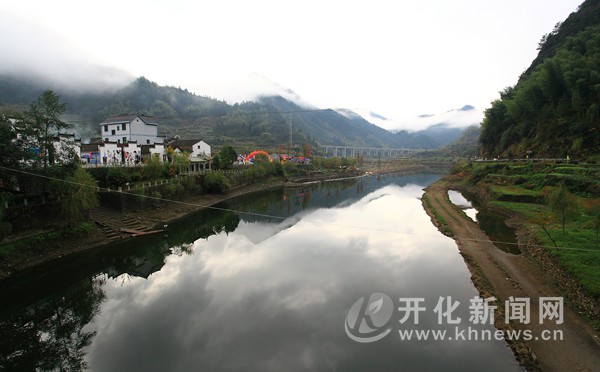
(130, 128)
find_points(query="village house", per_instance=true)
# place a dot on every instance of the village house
(199, 153)
(131, 139)
(130, 128)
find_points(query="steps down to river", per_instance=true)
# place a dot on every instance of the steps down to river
(113, 223)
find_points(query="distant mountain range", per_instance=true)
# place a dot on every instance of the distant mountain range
(266, 122)
(457, 118)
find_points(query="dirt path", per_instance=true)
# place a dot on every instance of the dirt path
(500, 274)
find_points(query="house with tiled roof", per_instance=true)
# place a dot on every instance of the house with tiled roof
(194, 147)
(121, 129)
(199, 152)
(132, 139)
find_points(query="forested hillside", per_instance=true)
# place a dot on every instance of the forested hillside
(266, 122)
(554, 109)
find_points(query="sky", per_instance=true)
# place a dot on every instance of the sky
(399, 59)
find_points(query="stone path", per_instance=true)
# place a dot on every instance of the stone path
(111, 222)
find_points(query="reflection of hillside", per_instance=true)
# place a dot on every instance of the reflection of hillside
(201, 225)
(45, 309)
(289, 202)
(49, 334)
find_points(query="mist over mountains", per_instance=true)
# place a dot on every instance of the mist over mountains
(265, 121)
(456, 118)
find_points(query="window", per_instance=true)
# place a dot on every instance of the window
(124, 139)
(106, 140)
(112, 132)
(123, 126)
(147, 142)
(106, 128)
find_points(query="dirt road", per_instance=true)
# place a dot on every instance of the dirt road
(502, 275)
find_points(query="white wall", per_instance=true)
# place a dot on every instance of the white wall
(111, 152)
(201, 148)
(158, 150)
(136, 131)
(143, 133)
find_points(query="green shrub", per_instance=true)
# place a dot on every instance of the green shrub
(290, 168)
(117, 177)
(216, 183)
(155, 169)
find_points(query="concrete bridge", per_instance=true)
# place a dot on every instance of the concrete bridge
(367, 152)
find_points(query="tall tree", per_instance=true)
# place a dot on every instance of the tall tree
(78, 195)
(562, 203)
(44, 118)
(227, 156)
(11, 150)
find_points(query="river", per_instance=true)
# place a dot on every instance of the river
(335, 276)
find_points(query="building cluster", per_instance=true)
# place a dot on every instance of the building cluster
(132, 139)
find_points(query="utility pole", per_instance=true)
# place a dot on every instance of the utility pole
(290, 121)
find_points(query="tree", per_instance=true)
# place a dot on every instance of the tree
(543, 219)
(227, 155)
(77, 195)
(11, 151)
(216, 183)
(154, 168)
(216, 162)
(181, 161)
(562, 203)
(44, 120)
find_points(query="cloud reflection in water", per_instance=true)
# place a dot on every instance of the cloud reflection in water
(274, 296)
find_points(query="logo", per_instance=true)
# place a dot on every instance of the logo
(366, 320)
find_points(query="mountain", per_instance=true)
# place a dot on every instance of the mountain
(264, 122)
(456, 118)
(433, 137)
(466, 145)
(554, 109)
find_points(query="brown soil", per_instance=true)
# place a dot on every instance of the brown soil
(502, 275)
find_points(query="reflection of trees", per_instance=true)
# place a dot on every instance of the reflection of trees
(258, 202)
(225, 222)
(49, 335)
(201, 225)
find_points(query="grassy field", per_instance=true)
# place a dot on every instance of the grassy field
(524, 188)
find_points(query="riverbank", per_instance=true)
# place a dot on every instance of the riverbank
(34, 247)
(31, 254)
(502, 275)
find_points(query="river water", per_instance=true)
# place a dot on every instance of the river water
(335, 276)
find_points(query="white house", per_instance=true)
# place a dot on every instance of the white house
(129, 139)
(194, 147)
(156, 151)
(110, 153)
(198, 150)
(130, 128)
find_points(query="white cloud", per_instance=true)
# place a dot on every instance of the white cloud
(397, 58)
(38, 53)
(248, 88)
(457, 118)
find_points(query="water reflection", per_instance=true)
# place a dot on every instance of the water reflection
(271, 292)
(459, 200)
(494, 225)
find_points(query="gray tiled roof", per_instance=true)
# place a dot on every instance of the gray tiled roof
(149, 120)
